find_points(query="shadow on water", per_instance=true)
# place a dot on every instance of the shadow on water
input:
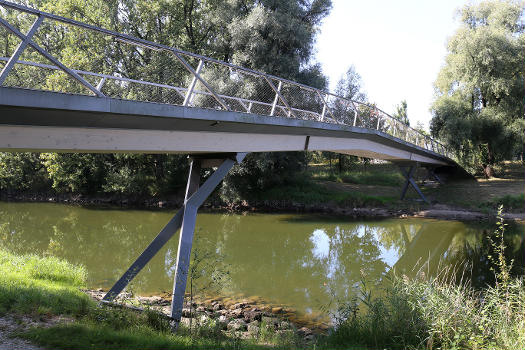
(296, 260)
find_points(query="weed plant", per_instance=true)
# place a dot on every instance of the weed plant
(437, 312)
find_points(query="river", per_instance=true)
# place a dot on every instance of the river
(301, 261)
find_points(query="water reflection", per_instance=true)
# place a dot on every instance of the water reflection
(292, 259)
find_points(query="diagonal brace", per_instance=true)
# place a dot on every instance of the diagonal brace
(21, 47)
(408, 174)
(28, 41)
(194, 198)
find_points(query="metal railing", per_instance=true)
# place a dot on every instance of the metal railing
(121, 66)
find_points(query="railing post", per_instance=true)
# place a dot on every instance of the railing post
(276, 98)
(101, 83)
(47, 55)
(196, 75)
(188, 99)
(278, 93)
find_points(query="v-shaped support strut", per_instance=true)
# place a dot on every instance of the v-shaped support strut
(185, 220)
(410, 181)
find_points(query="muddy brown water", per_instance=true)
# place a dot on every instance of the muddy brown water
(297, 262)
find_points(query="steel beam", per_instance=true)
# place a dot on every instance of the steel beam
(185, 217)
(21, 47)
(191, 206)
(410, 181)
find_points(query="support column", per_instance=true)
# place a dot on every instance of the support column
(410, 181)
(184, 218)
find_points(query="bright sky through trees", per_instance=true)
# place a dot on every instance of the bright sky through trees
(398, 48)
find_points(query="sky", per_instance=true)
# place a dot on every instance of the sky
(397, 46)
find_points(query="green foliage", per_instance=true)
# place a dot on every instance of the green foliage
(309, 192)
(74, 172)
(275, 37)
(508, 201)
(479, 107)
(401, 113)
(362, 177)
(351, 86)
(21, 172)
(260, 172)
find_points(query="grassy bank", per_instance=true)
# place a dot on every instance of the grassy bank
(46, 288)
(432, 313)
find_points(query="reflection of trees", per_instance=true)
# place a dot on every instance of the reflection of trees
(463, 246)
(470, 249)
(282, 261)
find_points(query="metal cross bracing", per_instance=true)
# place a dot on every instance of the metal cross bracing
(165, 74)
(184, 220)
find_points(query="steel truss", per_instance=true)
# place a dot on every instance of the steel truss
(184, 220)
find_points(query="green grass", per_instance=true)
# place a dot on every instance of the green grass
(512, 202)
(310, 192)
(379, 178)
(31, 284)
(37, 286)
(424, 313)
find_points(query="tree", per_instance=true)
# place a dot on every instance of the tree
(479, 106)
(351, 86)
(401, 113)
(276, 37)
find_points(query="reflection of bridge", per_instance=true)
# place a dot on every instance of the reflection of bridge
(197, 105)
(424, 251)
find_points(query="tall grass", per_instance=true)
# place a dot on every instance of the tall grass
(438, 313)
(32, 284)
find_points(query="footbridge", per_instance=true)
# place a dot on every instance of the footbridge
(111, 92)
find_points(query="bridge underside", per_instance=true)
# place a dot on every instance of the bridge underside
(47, 121)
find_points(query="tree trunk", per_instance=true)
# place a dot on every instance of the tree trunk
(487, 171)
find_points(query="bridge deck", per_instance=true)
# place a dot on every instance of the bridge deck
(47, 121)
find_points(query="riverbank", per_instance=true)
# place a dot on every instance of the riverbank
(393, 210)
(370, 192)
(42, 302)
(248, 317)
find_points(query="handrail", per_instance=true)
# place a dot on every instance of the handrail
(379, 120)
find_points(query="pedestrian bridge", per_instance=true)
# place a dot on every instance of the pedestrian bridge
(173, 102)
(112, 92)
